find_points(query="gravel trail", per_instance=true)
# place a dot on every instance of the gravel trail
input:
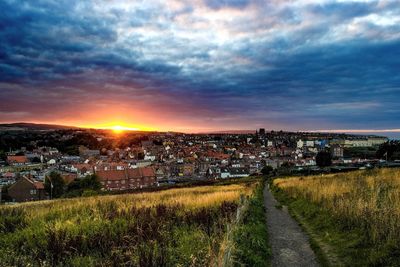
(290, 245)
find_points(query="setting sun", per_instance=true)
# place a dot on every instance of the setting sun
(119, 129)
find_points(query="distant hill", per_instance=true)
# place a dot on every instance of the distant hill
(230, 132)
(23, 126)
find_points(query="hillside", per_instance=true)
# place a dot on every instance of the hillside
(176, 227)
(24, 126)
(357, 214)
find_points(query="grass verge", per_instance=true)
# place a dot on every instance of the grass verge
(303, 213)
(251, 236)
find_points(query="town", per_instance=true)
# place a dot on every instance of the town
(134, 160)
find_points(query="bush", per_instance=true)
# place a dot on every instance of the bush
(87, 186)
(323, 159)
(11, 219)
(54, 185)
(89, 193)
(267, 170)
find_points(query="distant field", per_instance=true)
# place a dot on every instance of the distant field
(176, 227)
(357, 213)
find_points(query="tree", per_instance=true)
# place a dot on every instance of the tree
(266, 170)
(5, 197)
(323, 159)
(389, 150)
(36, 160)
(287, 164)
(3, 155)
(54, 185)
(90, 182)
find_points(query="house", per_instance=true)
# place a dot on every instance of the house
(160, 174)
(26, 189)
(127, 179)
(85, 152)
(111, 166)
(272, 163)
(238, 172)
(234, 172)
(17, 160)
(337, 151)
(185, 169)
(225, 173)
(7, 178)
(82, 169)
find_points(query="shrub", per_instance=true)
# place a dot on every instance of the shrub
(11, 219)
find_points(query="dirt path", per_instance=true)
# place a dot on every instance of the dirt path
(289, 244)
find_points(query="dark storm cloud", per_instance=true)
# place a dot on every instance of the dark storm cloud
(327, 63)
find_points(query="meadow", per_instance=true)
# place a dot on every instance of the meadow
(357, 213)
(175, 227)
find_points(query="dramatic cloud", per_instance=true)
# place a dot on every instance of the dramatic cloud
(199, 65)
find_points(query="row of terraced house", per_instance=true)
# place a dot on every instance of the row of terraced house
(127, 179)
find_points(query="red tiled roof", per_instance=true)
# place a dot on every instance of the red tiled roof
(147, 172)
(17, 159)
(8, 175)
(217, 155)
(38, 185)
(113, 175)
(81, 166)
(134, 173)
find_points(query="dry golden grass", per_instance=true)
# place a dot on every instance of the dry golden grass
(190, 198)
(173, 227)
(366, 199)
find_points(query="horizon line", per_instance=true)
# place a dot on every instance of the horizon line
(393, 130)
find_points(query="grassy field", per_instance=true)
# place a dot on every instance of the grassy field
(175, 227)
(356, 213)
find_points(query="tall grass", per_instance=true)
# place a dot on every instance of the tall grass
(364, 201)
(176, 227)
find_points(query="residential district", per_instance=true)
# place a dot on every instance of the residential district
(137, 160)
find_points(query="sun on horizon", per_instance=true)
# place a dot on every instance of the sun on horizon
(119, 129)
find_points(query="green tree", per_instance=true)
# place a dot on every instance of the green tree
(3, 155)
(287, 164)
(5, 197)
(90, 182)
(389, 150)
(36, 160)
(54, 185)
(266, 170)
(323, 159)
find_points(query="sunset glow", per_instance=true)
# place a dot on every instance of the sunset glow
(119, 129)
(196, 66)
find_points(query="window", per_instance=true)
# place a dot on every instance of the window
(123, 182)
(33, 192)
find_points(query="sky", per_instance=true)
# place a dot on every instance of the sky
(202, 65)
